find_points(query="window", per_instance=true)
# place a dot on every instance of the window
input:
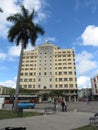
(26, 73)
(66, 85)
(44, 87)
(39, 86)
(60, 73)
(60, 85)
(21, 80)
(30, 80)
(45, 73)
(25, 80)
(25, 86)
(65, 79)
(70, 79)
(70, 72)
(31, 73)
(50, 85)
(65, 72)
(69, 55)
(39, 79)
(71, 85)
(56, 79)
(50, 73)
(29, 86)
(51, 79)
(59, 67)
(55, 73)
(56, 85)
(60, 79)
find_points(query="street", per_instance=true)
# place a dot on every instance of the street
(72, 106)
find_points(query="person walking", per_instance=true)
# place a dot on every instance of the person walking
(64, 105)
(55, 105)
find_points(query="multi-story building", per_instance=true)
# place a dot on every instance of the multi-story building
(48, 68)
(94, 85)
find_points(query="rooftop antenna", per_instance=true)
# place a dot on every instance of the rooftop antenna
(47, 41)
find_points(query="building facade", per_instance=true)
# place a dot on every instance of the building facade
(94, 85)
(48, 68)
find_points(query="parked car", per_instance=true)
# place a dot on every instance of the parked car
(26, 105)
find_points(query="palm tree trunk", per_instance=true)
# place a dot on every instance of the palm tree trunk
(18, 79)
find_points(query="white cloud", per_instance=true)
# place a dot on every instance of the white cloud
(14, 51)
(83, 82)
(33, 4)
(9, 83)
(10, 7)
(89, 36)
(38, 6)
(2, 56)
(85, 62)
(91, 4)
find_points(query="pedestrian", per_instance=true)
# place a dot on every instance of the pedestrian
(12, 106)
(64, 105)
(55, 105)
(20, 111)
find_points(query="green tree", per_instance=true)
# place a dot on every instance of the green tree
(22, 31)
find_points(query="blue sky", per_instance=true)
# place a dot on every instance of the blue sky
(67, 24)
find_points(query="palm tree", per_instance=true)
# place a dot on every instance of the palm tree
(22, 31)
(1, 10)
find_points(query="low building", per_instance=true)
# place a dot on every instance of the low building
(5, 90)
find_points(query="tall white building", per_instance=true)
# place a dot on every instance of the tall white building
(94, 85)
(48, 68)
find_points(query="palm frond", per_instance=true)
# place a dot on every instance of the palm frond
(25, 12)
(39, 29)
(1, 10)
(31, 16)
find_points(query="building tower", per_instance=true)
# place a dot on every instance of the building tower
(94, 86)
(48, 68)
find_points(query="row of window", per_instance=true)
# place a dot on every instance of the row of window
(56, 64)
(63, 68)
(49, 73)
(27, 80)
(29, 57)
(51, 86)
(64, 79)
(64, 73)
(28, 74)
(50, 79)
(47, 68)
(64, 59)
(47, 56)
(28, 64)
(26, 61)
(63, 52)
(28, 68)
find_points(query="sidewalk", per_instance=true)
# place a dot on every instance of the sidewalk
(58, 121)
